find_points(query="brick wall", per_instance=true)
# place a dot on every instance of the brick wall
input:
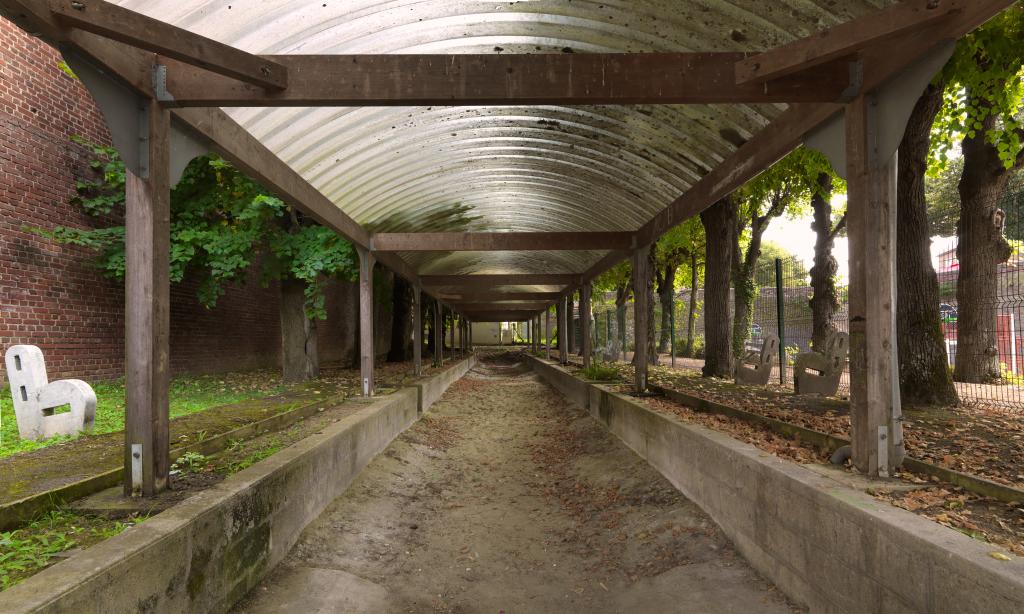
(50, 295)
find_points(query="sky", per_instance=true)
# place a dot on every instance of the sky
(798, 239)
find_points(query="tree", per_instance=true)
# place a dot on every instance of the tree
(696, 274)
(788, 183)
(673, 250)
(222, 223)
(984, 89)
(618, 279)
(720, 230)
(923, 368)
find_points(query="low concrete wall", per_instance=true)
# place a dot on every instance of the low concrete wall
(430, 389)
(571, 387)
(207, 552)
(826, 545)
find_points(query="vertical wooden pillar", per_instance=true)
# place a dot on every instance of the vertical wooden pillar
(451, 332)
(570, 330)
(417, 329)
(366, 349)
(563, 331)
(641, 299)
(547, 332)
(875, 411)
(587, 340)
(147, 309)
(438, 334)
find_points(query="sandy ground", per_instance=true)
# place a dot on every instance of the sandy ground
(506, 499)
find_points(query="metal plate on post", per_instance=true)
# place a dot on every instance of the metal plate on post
(136, 470)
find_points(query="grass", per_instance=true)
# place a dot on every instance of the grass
(600, 373)
(189, 395)
(28, 550)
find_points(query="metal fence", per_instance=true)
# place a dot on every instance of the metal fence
(782, 307)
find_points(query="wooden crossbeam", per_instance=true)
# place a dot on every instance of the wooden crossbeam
(846, 39)
(126, 26)
(482, 79)
(469, 297)
(500, 241)
(532, 306)
(514, 279)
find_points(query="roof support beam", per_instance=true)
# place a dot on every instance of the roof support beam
(126, 26)
(496, 305)
(471, 297)
(483, 79)
(483, 281)
(846, 40)
(500, 241)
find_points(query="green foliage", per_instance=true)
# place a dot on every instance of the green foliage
(222, 222)
(272, 447)
(190, 462)
(598, 372)
(984, 79)
(63, 66)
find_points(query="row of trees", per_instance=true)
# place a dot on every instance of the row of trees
(974, 107)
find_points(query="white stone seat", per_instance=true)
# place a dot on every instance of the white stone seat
(755, 368)
(35, 397)
(819, 372)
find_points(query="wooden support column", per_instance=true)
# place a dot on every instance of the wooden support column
(417, 329)
(587, 340)
(452, 332)
(547, 332)
(563, 331)
(147, 308)
(641, 299)
(366, 349)
(570, 330)
(438, 334)
(875, 411)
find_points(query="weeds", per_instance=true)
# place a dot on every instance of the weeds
(600, 373)
(190, 462)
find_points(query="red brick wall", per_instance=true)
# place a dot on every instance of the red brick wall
(50, 295)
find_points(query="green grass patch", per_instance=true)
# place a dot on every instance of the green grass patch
(189, 394)
(599, 372)
(259, 453)
(28, 550)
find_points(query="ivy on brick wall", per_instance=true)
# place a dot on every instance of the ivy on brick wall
(222, 223)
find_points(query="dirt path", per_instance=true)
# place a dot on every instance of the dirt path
(506, 499)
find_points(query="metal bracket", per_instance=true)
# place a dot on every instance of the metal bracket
(160, 84)
(136, 470)
(883, 451)
(896, 99)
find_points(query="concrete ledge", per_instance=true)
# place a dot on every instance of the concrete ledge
(207, 552)
(430, 389)
(826, 545)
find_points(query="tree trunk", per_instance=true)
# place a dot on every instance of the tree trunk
(428, 317)
(719, 223)
(299, 359)
(924, 371)
(691, 315)
(981, 249)
(401, 321)
(824, 300)
(652, 342)
(744, 290)
(666, 292)
(621, 296)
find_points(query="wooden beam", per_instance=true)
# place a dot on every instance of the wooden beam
(466, 297)
(875, 413)
(547, 333)
(510, 279)
(367, 353)
(127, 26)
(500, 241)
(438, 334)
(147, 313)
(563, 327)
(846, 39)
(495, 305)
(417, 329)
(520, 79)
(586, 343)
(641, 300)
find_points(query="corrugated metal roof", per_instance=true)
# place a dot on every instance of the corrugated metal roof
(541, 168)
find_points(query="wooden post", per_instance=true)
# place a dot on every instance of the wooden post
(438, 334)
(366, 349)
(875, 411)
(641, 299)
(563, 331)
(147, 310)
(588, 342)
(547, 332)
(570, 329)
(451, 330)
(417, 329)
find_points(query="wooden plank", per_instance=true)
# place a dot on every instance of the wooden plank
(138, 30)
(469, 297)
(147, 313)
(846, 39)
(871, 225)
(438, 334)
(366, 349)
(489, 78)
(563, 345)
(547, 333)
(511, 279)
(641, 301)
(500, 241)
(496, 305)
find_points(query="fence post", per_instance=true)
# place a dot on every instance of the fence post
(780, 301)
(672, 332)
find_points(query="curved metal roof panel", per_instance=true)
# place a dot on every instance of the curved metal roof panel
(503, 168)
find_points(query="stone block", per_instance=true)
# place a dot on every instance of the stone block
(36, 398)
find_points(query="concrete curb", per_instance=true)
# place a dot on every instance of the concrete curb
(826, 545)
(207, 552)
